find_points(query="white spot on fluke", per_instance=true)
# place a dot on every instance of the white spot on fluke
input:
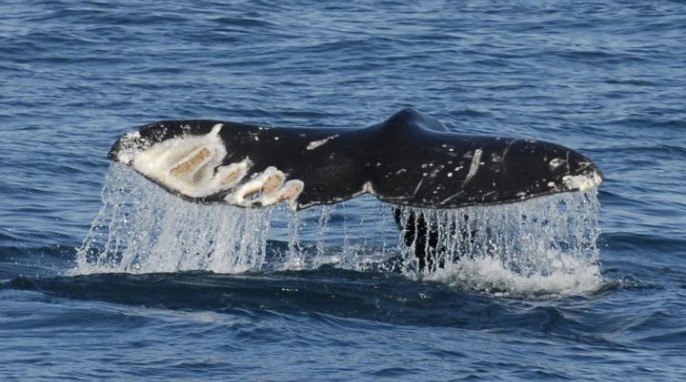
(556, 162)
(584, 182)
(128, 147)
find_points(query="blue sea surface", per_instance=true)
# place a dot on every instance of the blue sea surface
(605, 78)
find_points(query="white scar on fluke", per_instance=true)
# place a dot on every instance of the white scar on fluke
(191, 165)
(474, 166)
(314, 144)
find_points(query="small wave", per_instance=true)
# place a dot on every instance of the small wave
(646, 122)
(662, 150)
(630, 82)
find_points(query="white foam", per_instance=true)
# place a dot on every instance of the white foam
(573, 276)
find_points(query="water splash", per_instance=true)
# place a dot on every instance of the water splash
(541, 245)
(544, 245)
(140, 229)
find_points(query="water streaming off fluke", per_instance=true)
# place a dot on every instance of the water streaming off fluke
(542, 245)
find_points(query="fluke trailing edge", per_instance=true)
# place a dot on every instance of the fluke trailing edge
(409, 159)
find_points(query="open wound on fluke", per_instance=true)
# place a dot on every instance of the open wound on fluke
(191, 165)
(265, 189)
(193, 162)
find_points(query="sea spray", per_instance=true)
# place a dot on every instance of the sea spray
(140, 229)
(542, 245)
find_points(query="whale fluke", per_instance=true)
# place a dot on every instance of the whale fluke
(409, 159)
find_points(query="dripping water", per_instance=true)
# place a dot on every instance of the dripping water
(545, 244)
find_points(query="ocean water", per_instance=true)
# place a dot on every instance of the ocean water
(105, 277)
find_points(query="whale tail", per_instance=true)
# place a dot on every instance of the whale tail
(408, 160)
